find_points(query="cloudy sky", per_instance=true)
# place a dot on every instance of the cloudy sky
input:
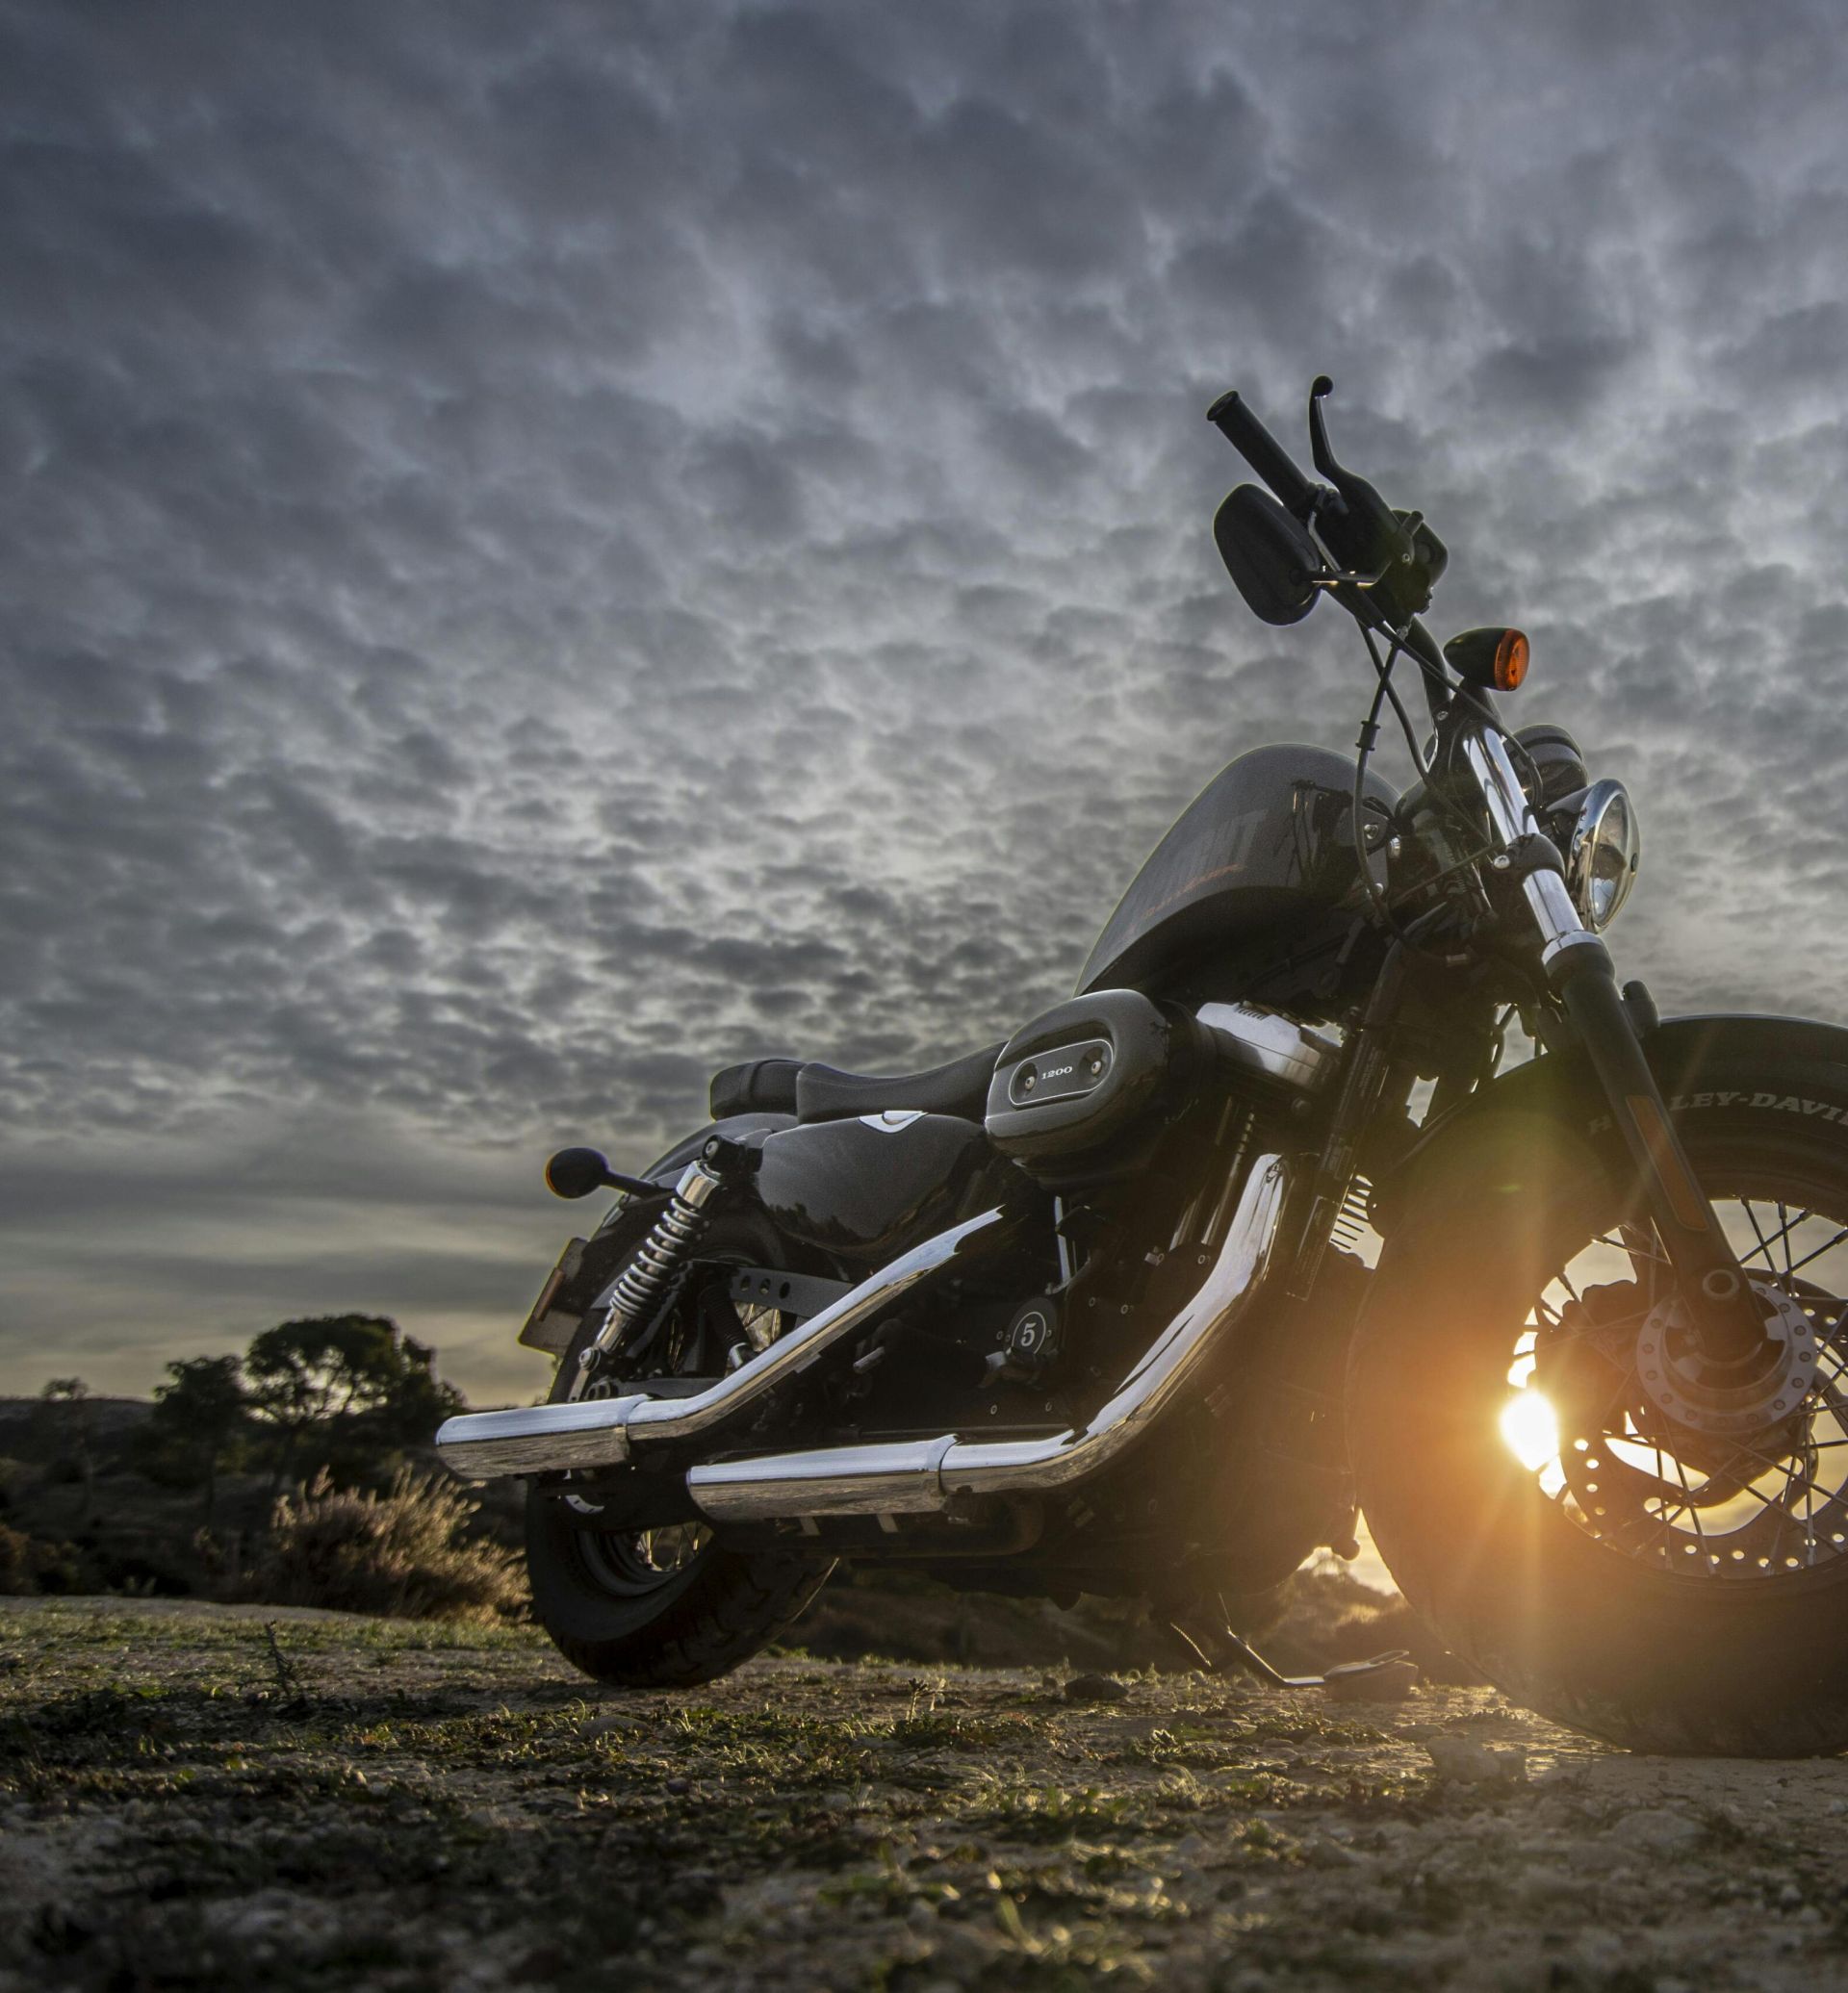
(549, 548)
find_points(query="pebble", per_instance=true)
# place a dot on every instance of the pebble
(1461, 1761)
(1656, 1828)
(606, 1725)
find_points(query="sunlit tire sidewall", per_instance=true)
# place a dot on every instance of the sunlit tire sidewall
(1567, 1624)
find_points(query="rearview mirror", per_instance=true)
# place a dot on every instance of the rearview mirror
(1269, 556)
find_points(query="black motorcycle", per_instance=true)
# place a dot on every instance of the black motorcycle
(1261, 1229)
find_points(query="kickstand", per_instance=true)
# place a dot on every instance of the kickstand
(1239, 1650)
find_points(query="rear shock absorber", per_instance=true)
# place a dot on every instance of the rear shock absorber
(648, 1284)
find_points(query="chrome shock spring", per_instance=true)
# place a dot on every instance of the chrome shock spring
(652, 1278)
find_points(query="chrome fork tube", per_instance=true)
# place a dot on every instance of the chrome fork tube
(1728, 1320)
(1512, 818)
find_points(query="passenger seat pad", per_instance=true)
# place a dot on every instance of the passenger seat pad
(760, 1086)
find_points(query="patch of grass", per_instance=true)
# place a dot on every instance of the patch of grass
(1026, 1811)
(944, 1729)
(1061, 1957)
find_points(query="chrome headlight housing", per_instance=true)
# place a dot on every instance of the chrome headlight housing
(1603, 853)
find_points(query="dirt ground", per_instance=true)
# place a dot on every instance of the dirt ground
(379, 1803)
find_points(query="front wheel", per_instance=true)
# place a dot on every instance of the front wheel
(670, 1607)
(1548, 1468)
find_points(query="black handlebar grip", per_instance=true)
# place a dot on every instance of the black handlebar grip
(1262, 450)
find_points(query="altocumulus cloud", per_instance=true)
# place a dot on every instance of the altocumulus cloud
(549, 548)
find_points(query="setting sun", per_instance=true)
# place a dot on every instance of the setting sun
(1530, 1429)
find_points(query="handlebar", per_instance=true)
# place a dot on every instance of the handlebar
(1232, 417)
(1386, 562)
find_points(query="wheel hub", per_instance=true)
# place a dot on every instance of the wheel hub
(1727, 1400)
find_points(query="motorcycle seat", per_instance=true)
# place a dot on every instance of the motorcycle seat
(960, 1087)
(815, 1093)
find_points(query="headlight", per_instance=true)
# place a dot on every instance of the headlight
(1603, 853)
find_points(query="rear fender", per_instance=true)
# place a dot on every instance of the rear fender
(1786, 1065)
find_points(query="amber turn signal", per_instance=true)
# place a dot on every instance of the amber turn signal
(1494, 659)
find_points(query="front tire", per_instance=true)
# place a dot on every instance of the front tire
(1634, 1581)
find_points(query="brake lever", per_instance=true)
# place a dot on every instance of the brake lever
(1365, 532)
(1320, 448)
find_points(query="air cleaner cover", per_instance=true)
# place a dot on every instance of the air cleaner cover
(1079, 1075)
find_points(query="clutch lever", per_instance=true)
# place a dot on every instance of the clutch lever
(1320, 448)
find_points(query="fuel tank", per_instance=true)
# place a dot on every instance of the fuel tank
(865, 1190)
(1262, 855)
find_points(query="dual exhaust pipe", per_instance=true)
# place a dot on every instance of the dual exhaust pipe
(879, 1477)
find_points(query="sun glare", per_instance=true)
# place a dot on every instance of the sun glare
(1530, 1430)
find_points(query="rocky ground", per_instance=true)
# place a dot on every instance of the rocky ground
(206, 1796)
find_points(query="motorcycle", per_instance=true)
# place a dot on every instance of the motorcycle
(1262, 1229)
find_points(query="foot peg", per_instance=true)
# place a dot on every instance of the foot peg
(1386, 1678)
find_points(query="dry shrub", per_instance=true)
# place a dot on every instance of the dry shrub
(29, 1565)
(404, 1552)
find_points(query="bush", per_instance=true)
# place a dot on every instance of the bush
(404, 1552)
(29, 1565)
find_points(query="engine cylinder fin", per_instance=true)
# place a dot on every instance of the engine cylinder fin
(1352, 1222)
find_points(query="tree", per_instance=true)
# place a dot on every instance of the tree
(67, 1402)
(417, 1402)
(199, 1417)
(328, 1383)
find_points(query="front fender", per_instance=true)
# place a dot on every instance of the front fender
(1793, 1065)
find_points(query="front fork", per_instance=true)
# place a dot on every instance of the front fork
(1726, 1317)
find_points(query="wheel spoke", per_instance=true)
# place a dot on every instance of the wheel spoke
(1766, 1245)
(1820, 1250)
(1687, 1515)
(1637, 1254)
(1693, 1514)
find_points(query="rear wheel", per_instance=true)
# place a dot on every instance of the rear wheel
(664, 1607)
(1617, 1535)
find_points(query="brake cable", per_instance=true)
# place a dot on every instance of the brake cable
(1378, 903)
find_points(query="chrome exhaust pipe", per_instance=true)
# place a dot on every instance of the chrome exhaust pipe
(926, 1476)
(603, 1432)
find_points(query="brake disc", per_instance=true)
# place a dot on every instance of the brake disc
(1725, 1400)
(1676, 1440)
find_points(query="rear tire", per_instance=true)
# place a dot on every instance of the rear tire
(702, 1622)
(1616, 1626)
(608, 1612)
